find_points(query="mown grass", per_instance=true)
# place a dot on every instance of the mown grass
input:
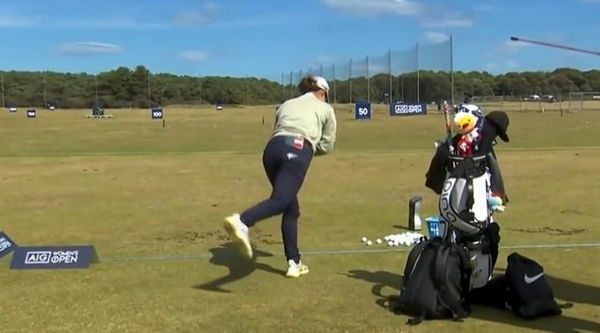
(151, 200)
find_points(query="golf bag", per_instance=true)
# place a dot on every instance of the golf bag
(435, 282)
(468, 182)
(464, 207)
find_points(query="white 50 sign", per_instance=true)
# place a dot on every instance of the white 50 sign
(362, 111)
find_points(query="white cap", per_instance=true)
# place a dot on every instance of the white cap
(322, 84)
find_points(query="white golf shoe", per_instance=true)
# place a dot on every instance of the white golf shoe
(296, 270)
(238, 232)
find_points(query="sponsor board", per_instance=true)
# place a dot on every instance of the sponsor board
(6, 244)
(405, 109)
(53, 257)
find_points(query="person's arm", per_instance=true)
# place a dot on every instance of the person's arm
(325, 145)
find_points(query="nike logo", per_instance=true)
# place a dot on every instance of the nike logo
(291, 155)
(530, 280)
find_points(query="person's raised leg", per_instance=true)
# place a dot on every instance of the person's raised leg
(235, 225)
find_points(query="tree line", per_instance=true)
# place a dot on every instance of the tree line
(137, 87)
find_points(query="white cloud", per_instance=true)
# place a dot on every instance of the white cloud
(199, 17)
(429, 15)
(193, 55)
(370, 8)
(511, 47)
(502, 56)
(19, 21)
(436, 37)
(483, 8)
(88, 48)
(211, 5)
(11, 21)
(192, 18)
(108, 23)
(453, 21)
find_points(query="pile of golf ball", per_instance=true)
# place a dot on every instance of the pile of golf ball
(401, 239)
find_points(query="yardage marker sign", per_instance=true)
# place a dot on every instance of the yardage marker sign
(362, 111)
(157, 113)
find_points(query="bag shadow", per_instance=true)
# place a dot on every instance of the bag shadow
(563, 289)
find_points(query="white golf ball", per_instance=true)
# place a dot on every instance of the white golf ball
(378, 241)
(369, 243)
(364, 239)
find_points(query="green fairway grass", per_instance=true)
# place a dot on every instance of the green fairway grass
(151, 199)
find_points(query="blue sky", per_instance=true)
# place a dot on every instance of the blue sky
(264, 38)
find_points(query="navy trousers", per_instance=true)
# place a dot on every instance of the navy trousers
(286, 160)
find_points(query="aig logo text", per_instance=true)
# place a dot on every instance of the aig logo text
(403, 108)
(54, 257)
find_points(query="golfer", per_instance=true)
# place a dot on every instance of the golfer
(304, 126)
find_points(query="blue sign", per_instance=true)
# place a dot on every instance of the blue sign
(157, 113)
(6, 244)
(405, 109)
(53, 257)
(31, 113)
(362, 111)
(219, 107)
(12, 108)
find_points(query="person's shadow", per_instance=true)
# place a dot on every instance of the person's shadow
(563, 289)
(239, 267)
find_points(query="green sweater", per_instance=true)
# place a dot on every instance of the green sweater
(309, 117)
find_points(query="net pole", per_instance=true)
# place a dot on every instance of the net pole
(44, 77)
(291, 84)
(350, 79)
(282, 87)
(451, 70)
(2, 80)
(417, 56)
(368, 82)
(390, 72)
(334, 86)
(148, 97)
(96, 87)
